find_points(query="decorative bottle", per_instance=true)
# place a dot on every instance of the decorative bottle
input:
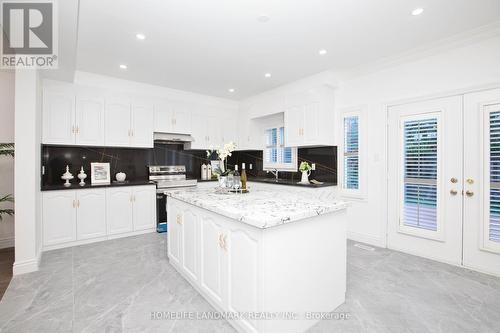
(243, 177)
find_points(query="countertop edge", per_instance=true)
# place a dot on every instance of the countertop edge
(263, 224)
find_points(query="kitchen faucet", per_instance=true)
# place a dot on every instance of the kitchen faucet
(274, 172)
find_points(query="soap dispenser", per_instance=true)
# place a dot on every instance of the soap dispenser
(203, 171)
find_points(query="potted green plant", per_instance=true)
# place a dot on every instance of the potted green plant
(6, 149)
(305, 168)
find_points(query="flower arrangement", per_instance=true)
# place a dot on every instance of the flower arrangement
(304, 167)
(223, 153)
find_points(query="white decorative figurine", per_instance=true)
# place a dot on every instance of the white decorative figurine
(67, 176)
(120, 176)
(82, 175)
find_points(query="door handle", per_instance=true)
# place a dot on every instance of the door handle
(469, 193)
(453, 192)
(454, 180)
(470, 181)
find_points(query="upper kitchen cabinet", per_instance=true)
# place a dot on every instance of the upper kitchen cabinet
(309, 118)
(129, 124)
(118, 127)
(89, 119)
(141, 125)
(72, 116)
(58, 116)
(172, 117)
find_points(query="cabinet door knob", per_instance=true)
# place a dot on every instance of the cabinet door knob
(469, 193)
(470, 181)
(453, 192)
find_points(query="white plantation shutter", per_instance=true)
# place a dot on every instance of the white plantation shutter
(494, 221)
(276, 155)
(351, 152)
(420, 173)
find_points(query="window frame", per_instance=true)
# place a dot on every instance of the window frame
(266, 166)
(358, 193)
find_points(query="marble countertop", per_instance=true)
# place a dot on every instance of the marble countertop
(261, 208)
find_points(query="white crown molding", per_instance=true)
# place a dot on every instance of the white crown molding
(468, 37)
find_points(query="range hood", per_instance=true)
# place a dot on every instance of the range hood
(172, 138)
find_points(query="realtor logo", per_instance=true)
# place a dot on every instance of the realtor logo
(29, 35)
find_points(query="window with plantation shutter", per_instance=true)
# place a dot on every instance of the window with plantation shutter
(494, 220)
(351, 153)
(276, 155)
(420, 165)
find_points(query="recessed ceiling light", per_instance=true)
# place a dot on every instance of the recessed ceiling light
(140, 36)
(268, 75)
(231, 90)
(417, 11)
(123, 66)
(322, 52)
(263, 18)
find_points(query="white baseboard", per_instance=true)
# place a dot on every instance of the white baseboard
(6, 242)
(26, 266)
(368, 239)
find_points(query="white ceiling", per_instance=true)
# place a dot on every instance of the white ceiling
(209, 46)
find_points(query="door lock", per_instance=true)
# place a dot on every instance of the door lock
(453, 180)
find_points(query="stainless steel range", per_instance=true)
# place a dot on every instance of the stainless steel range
(167, 177)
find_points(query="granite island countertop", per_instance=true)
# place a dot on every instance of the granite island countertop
(261, 208)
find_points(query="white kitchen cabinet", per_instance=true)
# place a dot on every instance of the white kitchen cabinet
(309, 117)
(172, 117)
(144, 207)
(119, 210)
(58, 117)
(200, 131)
(243, 273)
(90, 213)
(174, 233)
(58, 217)
(212, 259)
(118, 131)
(181, 118)
(189, 242)
(90, 118)
(163, 117)
(141, 126)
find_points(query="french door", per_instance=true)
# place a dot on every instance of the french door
(444, 180)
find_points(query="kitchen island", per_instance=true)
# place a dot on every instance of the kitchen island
(269, 260)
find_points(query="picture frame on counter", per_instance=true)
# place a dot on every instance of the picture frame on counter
(100, 173)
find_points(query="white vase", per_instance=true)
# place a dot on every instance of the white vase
(305, 177)
(120, 176)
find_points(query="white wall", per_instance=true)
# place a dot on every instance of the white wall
(7, 163)
(27, 171)
(455, 70)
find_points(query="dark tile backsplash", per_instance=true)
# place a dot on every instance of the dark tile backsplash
(325, 158)
(134, 161)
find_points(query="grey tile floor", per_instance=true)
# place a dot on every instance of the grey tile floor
(114, 286)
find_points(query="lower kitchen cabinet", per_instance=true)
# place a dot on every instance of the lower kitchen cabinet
(212, 259)
(58, 217)
(71, 217)
(119, 210)
(90, 214)
(144, 207)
